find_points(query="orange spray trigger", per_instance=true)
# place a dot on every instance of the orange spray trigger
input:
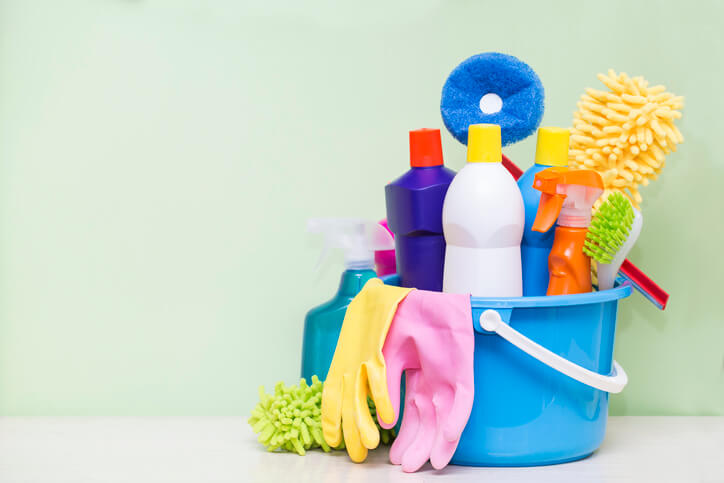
(548, 209)
(572, 191)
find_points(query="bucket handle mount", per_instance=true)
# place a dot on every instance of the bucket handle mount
(491, 321)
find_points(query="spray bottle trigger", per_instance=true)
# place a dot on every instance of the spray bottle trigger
(548, 210)
(357, 238)
(322, 257)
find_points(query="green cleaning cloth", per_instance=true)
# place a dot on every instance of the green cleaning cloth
(290, 419)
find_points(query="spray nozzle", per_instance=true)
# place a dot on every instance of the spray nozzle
(567, 192)
(356, 237)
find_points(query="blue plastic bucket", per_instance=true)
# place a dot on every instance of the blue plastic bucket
(526, 412)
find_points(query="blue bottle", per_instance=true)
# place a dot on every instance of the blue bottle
(551, 150)
(358, 239)
(414, 213)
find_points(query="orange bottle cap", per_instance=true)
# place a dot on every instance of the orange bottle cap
(425, 148)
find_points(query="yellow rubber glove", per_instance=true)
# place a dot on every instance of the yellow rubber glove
(358, 370)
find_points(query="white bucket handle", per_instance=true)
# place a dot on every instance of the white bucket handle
(490, 320)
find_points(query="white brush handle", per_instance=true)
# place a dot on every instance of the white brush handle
(607, 271)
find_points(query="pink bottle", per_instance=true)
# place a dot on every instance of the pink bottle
(385, 259)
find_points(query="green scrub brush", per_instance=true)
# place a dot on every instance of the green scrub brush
(613, 231)
(290, 419)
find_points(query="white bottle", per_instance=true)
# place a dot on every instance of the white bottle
(483, 218)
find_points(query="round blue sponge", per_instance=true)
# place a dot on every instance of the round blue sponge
(492, 88)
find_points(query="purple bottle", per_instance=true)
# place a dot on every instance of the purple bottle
(414, 212)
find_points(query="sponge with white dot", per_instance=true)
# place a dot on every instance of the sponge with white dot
(492, 88)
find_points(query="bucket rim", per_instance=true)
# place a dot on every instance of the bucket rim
(621, 290)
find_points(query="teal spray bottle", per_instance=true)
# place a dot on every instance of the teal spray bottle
(551, 150)
(358, 239)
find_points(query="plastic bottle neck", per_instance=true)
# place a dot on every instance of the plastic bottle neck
(574, 220)
(360, 264)
(353, 280)
(548, 165)
(425, 168)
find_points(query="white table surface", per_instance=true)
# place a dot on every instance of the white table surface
(210, 450)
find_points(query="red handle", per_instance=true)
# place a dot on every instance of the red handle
(657, 295)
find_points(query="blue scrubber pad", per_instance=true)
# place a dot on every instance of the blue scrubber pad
(498, 77)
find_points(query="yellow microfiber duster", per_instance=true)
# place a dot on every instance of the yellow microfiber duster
(625, 133)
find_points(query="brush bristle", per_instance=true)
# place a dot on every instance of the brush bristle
(609, 228)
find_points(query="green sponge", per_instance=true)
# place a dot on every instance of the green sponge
(609, 228)
(291, 419)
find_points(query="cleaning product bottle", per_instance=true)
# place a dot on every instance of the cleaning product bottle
(483, 219)
(358, 239)
(569, 195)
(414, 212)
(385, 259)
(551, 150)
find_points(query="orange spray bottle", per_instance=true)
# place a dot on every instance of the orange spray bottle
(567, 195)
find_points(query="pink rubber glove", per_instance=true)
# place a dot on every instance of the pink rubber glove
(431, 338)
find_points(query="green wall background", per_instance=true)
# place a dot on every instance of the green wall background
(159, 158)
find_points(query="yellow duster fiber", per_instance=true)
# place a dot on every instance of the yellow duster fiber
(625, 133)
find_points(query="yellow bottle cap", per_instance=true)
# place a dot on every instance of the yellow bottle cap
(552, 146)
(484, 145)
